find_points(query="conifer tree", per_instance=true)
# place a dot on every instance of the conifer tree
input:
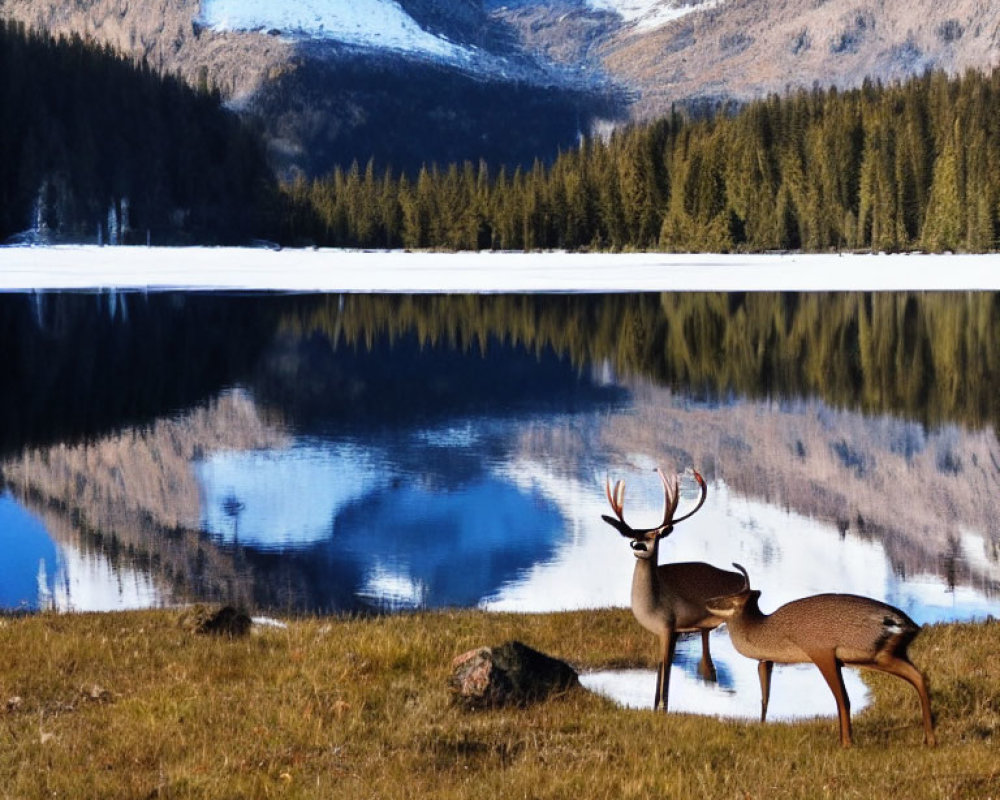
(944, 222)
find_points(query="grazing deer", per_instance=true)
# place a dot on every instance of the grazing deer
(669, 599)
(829, 630)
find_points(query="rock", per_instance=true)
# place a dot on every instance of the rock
(511, 674)
(224, 621)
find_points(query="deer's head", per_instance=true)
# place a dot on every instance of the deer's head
(644, 540)
(733, 604)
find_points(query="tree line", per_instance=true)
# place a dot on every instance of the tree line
(94, 145)
(912, 165)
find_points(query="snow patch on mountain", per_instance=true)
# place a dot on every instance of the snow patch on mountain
(370, 23)
(648, 15)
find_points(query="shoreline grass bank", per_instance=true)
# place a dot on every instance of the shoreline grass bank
(130, 705)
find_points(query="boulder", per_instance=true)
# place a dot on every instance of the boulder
(511, 674)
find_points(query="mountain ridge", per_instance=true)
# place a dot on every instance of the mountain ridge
(598, 62)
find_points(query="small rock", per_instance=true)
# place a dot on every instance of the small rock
(14, 703)
(511, 674)
(224, 621)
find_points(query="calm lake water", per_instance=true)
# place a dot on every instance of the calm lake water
(316, 453)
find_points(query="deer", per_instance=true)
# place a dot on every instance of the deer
(829, 630)
(669, 599)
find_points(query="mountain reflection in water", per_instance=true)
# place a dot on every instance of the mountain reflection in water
(361, 453)
(442, 537)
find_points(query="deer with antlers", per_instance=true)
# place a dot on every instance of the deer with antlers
(669, 599)
(829, 630)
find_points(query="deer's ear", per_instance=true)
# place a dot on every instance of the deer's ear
(720, 606)
(618, 525)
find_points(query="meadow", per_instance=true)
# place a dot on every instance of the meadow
(131, 705)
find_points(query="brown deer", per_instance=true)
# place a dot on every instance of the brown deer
(829, 630)
(669, 599)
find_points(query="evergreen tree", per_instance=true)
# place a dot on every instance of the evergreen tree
(944, 221)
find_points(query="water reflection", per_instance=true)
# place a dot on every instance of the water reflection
(446, 535)
(452, 451)
(427, 520)
(42, 573)
(246, 498)
(457, 544)
(29, 555)
(80, 365)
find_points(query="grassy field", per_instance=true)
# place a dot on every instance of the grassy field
(131, 706)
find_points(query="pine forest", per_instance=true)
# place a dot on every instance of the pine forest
(96, 147)
(913, 166)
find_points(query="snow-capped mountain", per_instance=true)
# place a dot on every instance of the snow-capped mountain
(418, 81)
(379, 24)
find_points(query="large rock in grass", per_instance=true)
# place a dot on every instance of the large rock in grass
(224, 621)
(511, 674)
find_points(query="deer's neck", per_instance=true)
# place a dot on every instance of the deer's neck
(749, 633)
(649, 597)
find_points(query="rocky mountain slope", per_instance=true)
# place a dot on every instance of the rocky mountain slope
(672, 50)
(424, 80)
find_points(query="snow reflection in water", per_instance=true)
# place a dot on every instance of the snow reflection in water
(43, 574)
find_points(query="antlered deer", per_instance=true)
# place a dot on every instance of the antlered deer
(829, 630)
(669, 599)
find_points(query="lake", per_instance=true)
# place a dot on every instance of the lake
(363, 453)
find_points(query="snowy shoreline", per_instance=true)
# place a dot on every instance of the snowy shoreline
(348, 271)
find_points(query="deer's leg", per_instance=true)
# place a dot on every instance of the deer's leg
(668, 644)
(903, 668)
(829, 666)
(764, 669)
(706, 667)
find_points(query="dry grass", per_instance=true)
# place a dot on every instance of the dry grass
(131, 706)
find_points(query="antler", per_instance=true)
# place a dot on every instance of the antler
(671, 497)
(616, 496)
(701, 500)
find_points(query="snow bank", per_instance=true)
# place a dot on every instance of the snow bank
(327, 270)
